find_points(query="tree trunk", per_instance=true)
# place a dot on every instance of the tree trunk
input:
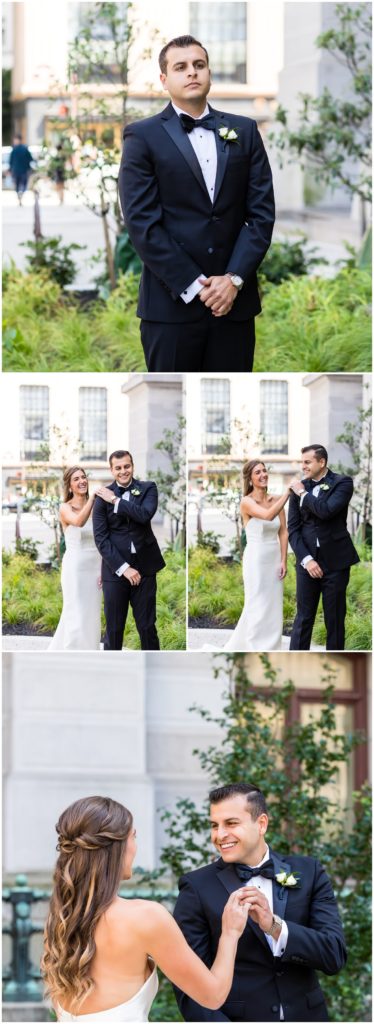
(37, 222)
(108, 247)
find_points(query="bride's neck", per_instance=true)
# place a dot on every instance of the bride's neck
(260, 493)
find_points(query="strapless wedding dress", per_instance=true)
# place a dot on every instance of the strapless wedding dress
(261, 622)
(79, 627)
(135, 1009)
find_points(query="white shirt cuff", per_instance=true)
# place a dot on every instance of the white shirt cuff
(281, 943)
(192, 290)
(304, 562)
(122, 568)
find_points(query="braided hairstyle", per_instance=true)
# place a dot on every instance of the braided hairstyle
(92, 835)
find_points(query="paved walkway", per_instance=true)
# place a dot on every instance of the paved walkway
(219, 637)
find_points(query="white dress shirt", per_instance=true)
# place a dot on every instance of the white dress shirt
(265, 885)
(203, 143)
(123, 497)
(315, 492)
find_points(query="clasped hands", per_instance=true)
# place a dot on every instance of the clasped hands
(257, 906)
(218, 294)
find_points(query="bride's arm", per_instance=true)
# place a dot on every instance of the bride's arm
(168, 947)
(255, 511)
(283, 542)
(70, 518)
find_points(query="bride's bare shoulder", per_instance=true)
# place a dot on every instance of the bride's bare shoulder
(140, 910)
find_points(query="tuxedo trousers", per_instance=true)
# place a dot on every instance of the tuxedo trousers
(332, 586)
(210, 344)
(119, 593)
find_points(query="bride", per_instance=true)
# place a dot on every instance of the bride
(101, 951)
(79, 627)
(264, 564)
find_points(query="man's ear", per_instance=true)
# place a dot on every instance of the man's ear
(163, 80)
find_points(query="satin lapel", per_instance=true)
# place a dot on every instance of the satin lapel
(231, 882)
(330, 480)
(222, 153)
(280, 892)
(181, 140)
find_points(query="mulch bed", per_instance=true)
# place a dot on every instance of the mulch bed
(23, 629)
(206, 622)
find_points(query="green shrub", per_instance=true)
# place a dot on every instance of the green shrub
(210, 540)
(216, 592)
(51, 256)
(286, 259)
(27, 546)
(315, 325)
(33, 598)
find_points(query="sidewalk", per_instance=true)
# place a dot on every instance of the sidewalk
(219, 637)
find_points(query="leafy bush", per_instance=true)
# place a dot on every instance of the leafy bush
(287, 259)
(316, 325)
(50, 255)
(216, 592)
(32, 598)
(27, 546)
(210, 540)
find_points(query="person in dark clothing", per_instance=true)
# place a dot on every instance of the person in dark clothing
(20, 164)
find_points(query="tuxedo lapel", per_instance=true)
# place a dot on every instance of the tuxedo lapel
(229, 879)
(280, 892)
(173, 127)
(222, 153)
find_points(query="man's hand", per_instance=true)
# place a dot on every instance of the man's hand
(218, 294)
(106, 494)
(258, 907)
(132, 575)
(314, 569)
(296, 486)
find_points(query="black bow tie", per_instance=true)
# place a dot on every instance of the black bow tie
(189, 123)
(245, 873)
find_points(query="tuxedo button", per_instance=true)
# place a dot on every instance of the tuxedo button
(210, 250)
(275, 1008)
(215, 218)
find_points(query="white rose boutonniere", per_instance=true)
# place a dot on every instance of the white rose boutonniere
(135, 491)
(324, 487)
(228, 134)
(287, 881)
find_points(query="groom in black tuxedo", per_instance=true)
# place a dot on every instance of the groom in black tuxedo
(293, 925)
(197, 198)
(131, 556)
(317, 527)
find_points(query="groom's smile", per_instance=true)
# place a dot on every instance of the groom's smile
(236, 836)
(122, 470)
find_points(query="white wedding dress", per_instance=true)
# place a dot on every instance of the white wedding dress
(261, 622)
(135, 1009)
(79, 627)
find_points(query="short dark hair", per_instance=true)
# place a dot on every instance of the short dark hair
(255, 798)
(119, 455)
(319, 450)
(178, 41)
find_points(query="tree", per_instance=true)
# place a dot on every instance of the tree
(296, 765)
(333, 135)
(357, 436)
(218, 494)
(172, 484)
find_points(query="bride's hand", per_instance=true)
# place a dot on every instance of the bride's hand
(106, 494)
(235, 914)
(282, 571)
(99, 583)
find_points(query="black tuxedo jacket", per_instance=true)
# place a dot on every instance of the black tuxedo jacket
(177, 231)
(114, 532)
(262, 983)
(324, 518)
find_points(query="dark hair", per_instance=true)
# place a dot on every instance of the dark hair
(319, 450)
(255, 799)
(181, 41)
(66, 480)
(247, 474)
(119, 455)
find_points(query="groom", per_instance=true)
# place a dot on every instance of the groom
(317, 527)
(197, 198)
(293, 925)
(122, 516)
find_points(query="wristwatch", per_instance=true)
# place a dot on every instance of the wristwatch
(237, 281)
(277, 923)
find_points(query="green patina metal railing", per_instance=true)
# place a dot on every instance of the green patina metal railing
(22, 981)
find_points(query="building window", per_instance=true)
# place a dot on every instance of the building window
(34, 422)
(274, 416)
(222, 28)
(87, 18)
(93, 423)
(215, 414)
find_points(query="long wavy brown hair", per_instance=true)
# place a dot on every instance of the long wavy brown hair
(67, 475)
(92, 835)
(247, 474)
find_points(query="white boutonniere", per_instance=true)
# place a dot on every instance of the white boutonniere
(325, 487)
(228, 134)
(287, 881)
(135, 491)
